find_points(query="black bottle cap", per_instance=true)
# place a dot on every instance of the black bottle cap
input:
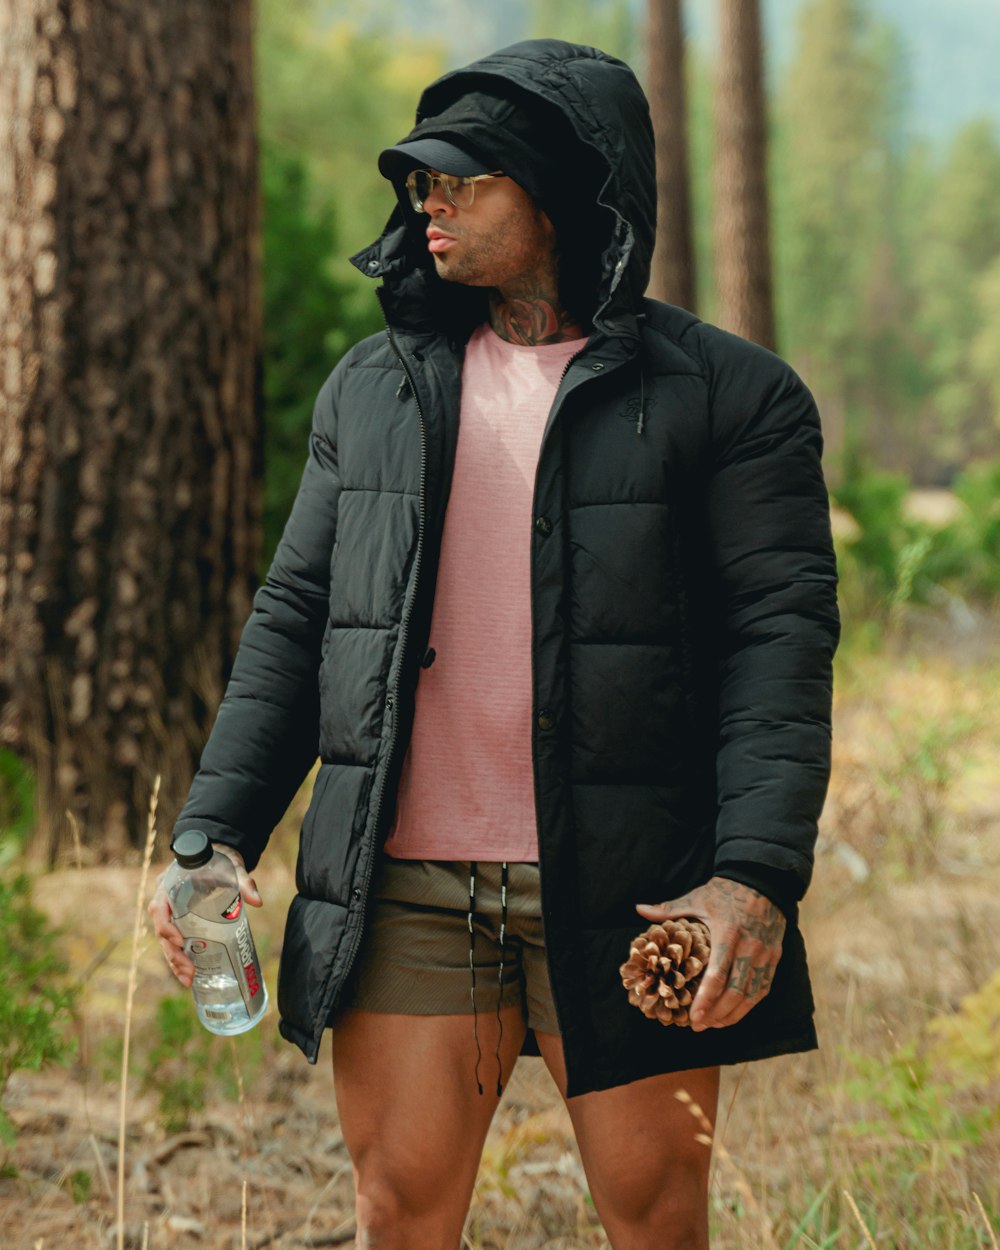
(192, 848)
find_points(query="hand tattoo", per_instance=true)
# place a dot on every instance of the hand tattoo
(747, 931)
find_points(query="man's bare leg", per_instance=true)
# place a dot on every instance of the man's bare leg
(414, 1121)
(648, 1175)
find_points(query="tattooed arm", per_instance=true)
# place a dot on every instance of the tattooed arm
(746, 930)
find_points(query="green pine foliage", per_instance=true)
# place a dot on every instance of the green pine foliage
(310, 319)
(959, 235)
(605, 24)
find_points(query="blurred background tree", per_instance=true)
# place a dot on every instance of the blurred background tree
(129, 495)
(742, 216)
(674, 273)
(836, 232)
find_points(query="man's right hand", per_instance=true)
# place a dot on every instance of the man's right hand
(170, 937)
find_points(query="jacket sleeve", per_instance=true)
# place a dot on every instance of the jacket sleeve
(774, 572)
(265, 737)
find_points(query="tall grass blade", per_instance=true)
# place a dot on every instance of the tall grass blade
(986, 1220)
(807, 1219)
(857, 1215)
(140, 900)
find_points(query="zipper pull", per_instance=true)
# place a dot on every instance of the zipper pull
(403, 387)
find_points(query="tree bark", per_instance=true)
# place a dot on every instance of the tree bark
(673, 276)
(130, 428)
(742, 233)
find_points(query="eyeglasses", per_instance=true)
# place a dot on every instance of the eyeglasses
(460, 192)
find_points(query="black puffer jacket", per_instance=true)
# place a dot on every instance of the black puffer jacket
(683, 613)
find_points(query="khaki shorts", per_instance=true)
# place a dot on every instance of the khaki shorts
(415, 956)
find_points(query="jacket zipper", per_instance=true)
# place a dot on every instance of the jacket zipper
(404, 629)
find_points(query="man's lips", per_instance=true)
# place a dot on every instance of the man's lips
(438, 241)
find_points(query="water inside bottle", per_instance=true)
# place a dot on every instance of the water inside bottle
(220, 1004)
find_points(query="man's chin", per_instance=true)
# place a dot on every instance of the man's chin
(450, 271)
(447, 272)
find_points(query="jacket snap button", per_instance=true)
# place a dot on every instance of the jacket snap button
(546, 719)
(597, 368)
(356, 894)
(543, 525)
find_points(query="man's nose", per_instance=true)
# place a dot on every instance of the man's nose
(438, 202)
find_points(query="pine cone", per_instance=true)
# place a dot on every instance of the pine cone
(664, 968)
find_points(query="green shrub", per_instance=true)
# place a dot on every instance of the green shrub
(186, 1065)
(966, 554)
(967, 1041)
(895, 560)
(176, 1066)
(875, 500)
(17, 804)
(914, 1111)
(35, 999)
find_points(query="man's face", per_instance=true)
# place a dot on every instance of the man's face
(502, 240)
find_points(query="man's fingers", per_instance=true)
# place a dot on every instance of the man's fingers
(170, 938)
(746, 984)
(248, 888)
(674, 909)
(712, 987)
(247, 885)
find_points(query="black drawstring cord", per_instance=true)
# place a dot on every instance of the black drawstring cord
(641, 423)
(472, 969)
(503, 930)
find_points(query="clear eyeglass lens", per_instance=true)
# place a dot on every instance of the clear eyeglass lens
(459, 191)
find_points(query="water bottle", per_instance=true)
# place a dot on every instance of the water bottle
(229, 991)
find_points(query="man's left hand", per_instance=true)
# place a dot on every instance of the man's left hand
(746, 931)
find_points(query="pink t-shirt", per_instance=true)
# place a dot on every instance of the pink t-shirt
(467, 787)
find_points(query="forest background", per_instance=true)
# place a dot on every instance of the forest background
(885, 237)
(885, 242)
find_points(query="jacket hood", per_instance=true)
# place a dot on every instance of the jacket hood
(596, 100)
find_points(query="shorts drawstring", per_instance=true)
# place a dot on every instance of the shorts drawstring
(503, 930)
(472, 970)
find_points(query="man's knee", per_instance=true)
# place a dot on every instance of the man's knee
(393, 1199)
(673, 1196)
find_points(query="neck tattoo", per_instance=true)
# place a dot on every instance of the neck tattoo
(532, 319)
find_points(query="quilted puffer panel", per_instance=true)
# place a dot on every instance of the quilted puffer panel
(638, 837)
(622, 582)
(378, 440)
(629, 721)
(332, 830)
(352, 688)
(375, 547)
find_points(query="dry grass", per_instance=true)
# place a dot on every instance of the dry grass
(900, 926)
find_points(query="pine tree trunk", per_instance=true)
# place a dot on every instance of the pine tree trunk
(673, 272)
(742, 235)
(130, 461)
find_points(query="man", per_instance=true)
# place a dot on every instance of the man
(557, 602)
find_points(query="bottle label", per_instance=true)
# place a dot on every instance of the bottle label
(225, 947)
